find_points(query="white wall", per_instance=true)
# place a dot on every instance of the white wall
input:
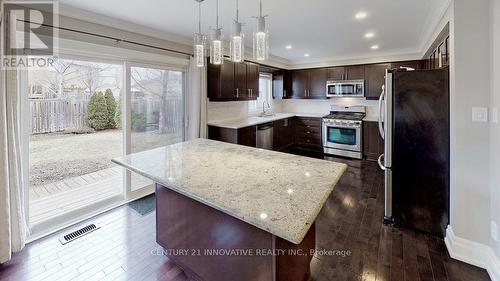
(239, 109)
(470, 86)
(323, 106)
(233, 110)
(495, 128)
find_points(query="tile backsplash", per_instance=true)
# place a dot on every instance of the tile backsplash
(242, 109)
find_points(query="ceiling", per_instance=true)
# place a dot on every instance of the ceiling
(325, 29)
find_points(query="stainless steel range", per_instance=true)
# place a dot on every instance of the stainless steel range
(343, 131)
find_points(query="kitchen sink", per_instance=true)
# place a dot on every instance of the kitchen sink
(266, 115)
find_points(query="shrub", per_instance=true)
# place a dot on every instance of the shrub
(78, 131)
(118, 115)
(139, 122)
(111, 108)
(97, 112)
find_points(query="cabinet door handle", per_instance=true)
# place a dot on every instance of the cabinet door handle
(237, 92)
(249, 92)
(284, 93)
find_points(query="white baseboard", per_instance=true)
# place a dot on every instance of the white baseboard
(473, 253)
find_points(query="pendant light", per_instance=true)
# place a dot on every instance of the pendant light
(237, 43)
(216, 49)
(260, 37)
(199, 41)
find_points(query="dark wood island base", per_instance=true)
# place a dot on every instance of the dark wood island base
(211, 245)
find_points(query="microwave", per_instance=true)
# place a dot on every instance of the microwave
(345, 88)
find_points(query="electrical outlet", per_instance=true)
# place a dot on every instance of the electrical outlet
(494, 115)
(494, 231)
(479, 114)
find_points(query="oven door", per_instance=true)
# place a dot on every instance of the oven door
(347, 137)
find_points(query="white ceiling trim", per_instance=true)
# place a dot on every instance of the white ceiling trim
(357, 60)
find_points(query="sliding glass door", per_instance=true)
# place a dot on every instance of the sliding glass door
(72, 134)
(81, 113)
(156, 114)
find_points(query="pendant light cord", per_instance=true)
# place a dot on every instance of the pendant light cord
(237, 12)
(260, 7)
(217, 14)
(199, 17)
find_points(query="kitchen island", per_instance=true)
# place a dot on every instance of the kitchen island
(231, 212)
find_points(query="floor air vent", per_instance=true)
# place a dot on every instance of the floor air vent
(78, 233)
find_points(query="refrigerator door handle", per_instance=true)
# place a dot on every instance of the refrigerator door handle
(379, 160)
(380, 112)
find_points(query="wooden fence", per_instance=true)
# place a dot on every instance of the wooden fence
(56, 115)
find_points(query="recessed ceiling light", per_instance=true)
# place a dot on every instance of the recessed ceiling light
(288, 47)
(369, 35)
(307, 55)
(360, 15)
(374, 47)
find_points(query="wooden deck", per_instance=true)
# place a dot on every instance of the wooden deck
(51, 200)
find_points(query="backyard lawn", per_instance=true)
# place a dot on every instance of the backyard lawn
(57, 156)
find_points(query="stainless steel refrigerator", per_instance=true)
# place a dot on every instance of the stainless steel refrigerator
(414, 120)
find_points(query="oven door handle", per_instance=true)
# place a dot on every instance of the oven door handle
(342, 127)
(379, 161)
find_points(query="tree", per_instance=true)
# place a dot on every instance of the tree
(97, 112)
(154, 82)
(111, 108)
(118, 115)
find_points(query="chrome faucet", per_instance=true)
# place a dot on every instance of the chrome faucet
(264, 107)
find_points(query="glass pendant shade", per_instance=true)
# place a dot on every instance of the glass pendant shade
(216, 48)
(260, 40)
(199, 49)
(237, 46)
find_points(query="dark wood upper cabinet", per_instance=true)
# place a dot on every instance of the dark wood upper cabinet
(233, 81)
(278, 85)
(221, 81)
(415, 64)
(309, 84)
(374, 79)
(317, 83)
(240, 81)
(240, 76)
(300, 80)
(282, 84)
(252, 77)
(335, 73)
(356, 72)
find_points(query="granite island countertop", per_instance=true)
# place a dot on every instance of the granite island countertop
(277, 192)
(256, 120)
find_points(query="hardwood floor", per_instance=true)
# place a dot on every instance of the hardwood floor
(350, 223)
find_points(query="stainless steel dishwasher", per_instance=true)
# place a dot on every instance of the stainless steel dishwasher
(265, 136)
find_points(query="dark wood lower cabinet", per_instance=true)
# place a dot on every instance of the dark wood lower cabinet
(283, 134)
(302, 132)
(308, 133)
(244, 136)
(190, 231)
(373, 144)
